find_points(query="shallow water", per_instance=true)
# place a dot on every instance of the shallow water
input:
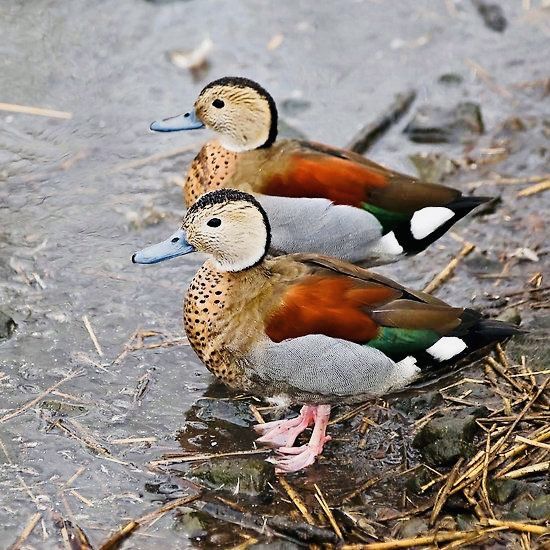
(73, 211)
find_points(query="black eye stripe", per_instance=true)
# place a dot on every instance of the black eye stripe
(214, 222)
(218, 103)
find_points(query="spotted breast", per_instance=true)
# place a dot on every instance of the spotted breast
(203, 310)
(209, 170)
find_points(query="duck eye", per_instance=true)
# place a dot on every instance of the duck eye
(214, 222)
(218, 103)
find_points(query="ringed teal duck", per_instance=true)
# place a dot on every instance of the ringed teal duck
(319, 198)
(304, 328)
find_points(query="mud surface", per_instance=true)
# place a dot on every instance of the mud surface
(78, 196)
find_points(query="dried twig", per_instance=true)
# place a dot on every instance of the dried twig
(414, 542)
(93, 337)
(31, 524)
(204, 456)
(257, 415)
(324, 505)
(297, 500)
(533, 189)
(488, 79)
(517, 526)
(445, 491)
(116, 538)
(531, 469)
(75, 430)
(445, 274)
(33, 402)
(28, 110)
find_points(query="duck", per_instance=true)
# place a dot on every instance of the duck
(305, 329)
(319, 199)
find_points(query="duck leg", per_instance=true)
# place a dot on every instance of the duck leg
(283, 433)
(292, 459)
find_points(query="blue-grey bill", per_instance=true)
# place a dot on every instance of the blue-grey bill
(188, 121)
(176, 245)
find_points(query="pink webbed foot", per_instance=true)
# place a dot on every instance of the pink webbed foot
(283, 433)
(293, 459)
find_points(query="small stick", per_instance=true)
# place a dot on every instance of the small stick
(532, 189)
(484, 492)
(445, 274)
(27, 110)
(297, 500)
(372, 132)
(517, 526)
(444, 492)
(473, 538)
(257, 415)
(116, 538)
(85, 500)
(488, 79)
(530, 373)
(31, 524)
(412, 542)
(534, 443)
(34, 401)
(85, 437)
(498, 368)
(367, 485)
(91, 332)
(130, 440)
(502, 356)
(532, 469)
(73, 478)
(500, 180)
(324, 505)
(349, 414)
(520, 448)
(205, 456)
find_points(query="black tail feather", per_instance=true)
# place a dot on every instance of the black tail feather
(461, 206)
(480, 336)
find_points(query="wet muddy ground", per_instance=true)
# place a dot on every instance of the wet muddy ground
(78, 195)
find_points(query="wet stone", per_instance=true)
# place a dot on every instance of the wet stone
(492, 15)
(413, 527)
(418, 479)
(479, 263)
(442, 125)
(7, 326)
(294, 106)
(510, 315)
(502, 491)
(450, 79)
(433, 167)
(239, 476)
(466, 522)
(232, 411)
(444, 439)
(417, 406)
(63, 408)
(194, 524)
(539, 508)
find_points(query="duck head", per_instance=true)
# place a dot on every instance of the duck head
(228, 225)
(239, 110)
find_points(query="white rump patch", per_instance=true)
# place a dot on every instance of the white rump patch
(407, 369)
(388, 244)
(427, 220)
(280, 401)
(446, 348)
